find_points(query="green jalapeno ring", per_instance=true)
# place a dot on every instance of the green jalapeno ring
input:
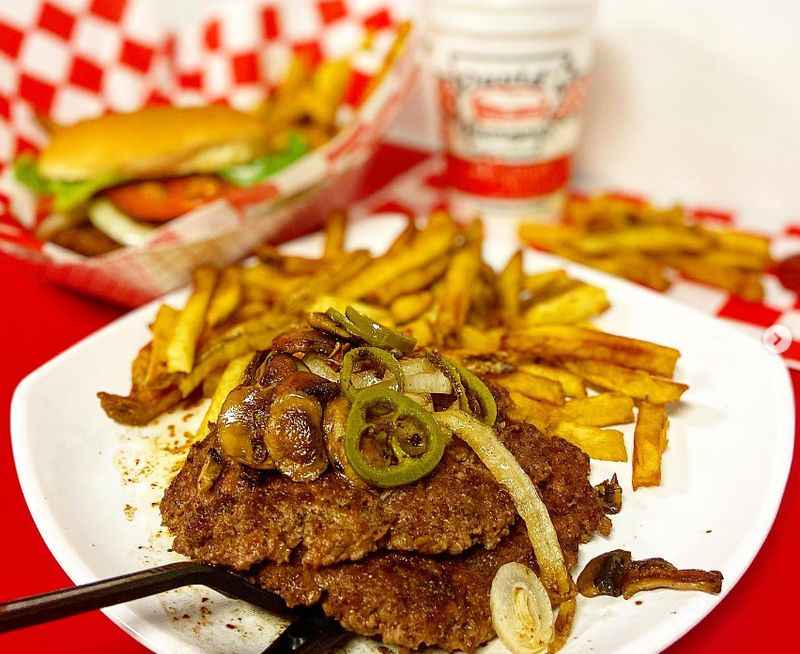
(378, 355)
(378, 335)
(409, 468)
(481, 393)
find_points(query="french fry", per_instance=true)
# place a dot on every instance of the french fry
(403, 240)
(546, 236)
(408, 307)
(509, 285)
(539, 414)
(163, 328)
(601, 444)
(601, 410)
(421, 330)
(746, 284)
(226, 298)
(576, 305)
(335, 230)
(571, 383)
(434, 241)
(338, 273)
(731, 239)
(415, 280)
(190, 322)
(456, 292)
(736, 259)
(649, 443)
(230, 379)
(479, 340)
(257, 334)
(566, 341)
(286, 263)
(546, 283)
(536, 388)
(657, 239)
(635, 383)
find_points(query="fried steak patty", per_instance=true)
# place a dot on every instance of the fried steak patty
(413, 600)
(409, 599)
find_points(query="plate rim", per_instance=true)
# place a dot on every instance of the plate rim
(668, 633)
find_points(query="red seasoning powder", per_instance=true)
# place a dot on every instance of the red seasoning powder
(511, 78)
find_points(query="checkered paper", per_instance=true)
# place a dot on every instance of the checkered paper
(423, 188)
(72, 59)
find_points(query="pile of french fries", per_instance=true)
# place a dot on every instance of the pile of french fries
(648, 245)
(307, 100)
(526, 333)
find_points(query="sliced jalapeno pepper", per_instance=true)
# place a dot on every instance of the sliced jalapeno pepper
(381, 357)
(449, 370)
(410, 442)
(371, 332)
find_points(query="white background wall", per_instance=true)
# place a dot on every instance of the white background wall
(692, 100)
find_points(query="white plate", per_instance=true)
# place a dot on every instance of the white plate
(724, 472)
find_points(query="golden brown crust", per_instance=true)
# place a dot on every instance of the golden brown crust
(153, 142)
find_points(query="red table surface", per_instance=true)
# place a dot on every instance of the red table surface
(40, 320)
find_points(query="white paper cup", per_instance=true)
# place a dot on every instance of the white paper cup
(511, 77)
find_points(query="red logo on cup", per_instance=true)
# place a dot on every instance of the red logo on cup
(510, 103)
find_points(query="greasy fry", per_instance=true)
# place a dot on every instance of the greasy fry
(635, 383)
(429, 244)
(289, 264)
(226, 298)
(602, 444)
(421, 330)
(404, 239)
(478, 340)
(411, 306)
(746, 284)
(456, 291)
(601, 410)
(181, 348)
(548, 236)
(539, 284)
(576, 305)
(648, 238)
(413, 281)
(335, 230)
(244, 338)
(163, 327)
(649, 442)
(231, 378)
(509, 284)
(539, 414)
(565, 341)
(572, 384)
(537, 388)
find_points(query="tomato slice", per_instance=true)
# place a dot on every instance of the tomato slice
(243, 195)
(161, 200)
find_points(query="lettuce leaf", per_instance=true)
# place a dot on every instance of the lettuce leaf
(258, 170)
(66, 195)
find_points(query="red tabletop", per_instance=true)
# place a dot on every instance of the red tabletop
(40, 320)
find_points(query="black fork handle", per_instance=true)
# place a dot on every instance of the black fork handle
(37, 609)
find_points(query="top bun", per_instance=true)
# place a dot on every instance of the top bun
(153, 142)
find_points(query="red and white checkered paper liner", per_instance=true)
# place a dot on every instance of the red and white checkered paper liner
(73, 59)
(421, 187)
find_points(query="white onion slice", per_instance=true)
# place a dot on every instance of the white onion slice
(530, 507)
(521, 612)
(428, 382)
(320, 367)
(112, 222)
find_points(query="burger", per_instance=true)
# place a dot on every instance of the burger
(110, 181)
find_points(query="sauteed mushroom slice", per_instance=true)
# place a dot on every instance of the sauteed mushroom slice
(306, 341)
(334, 427)
(615, 573)
(294, 435)
(242, 424)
